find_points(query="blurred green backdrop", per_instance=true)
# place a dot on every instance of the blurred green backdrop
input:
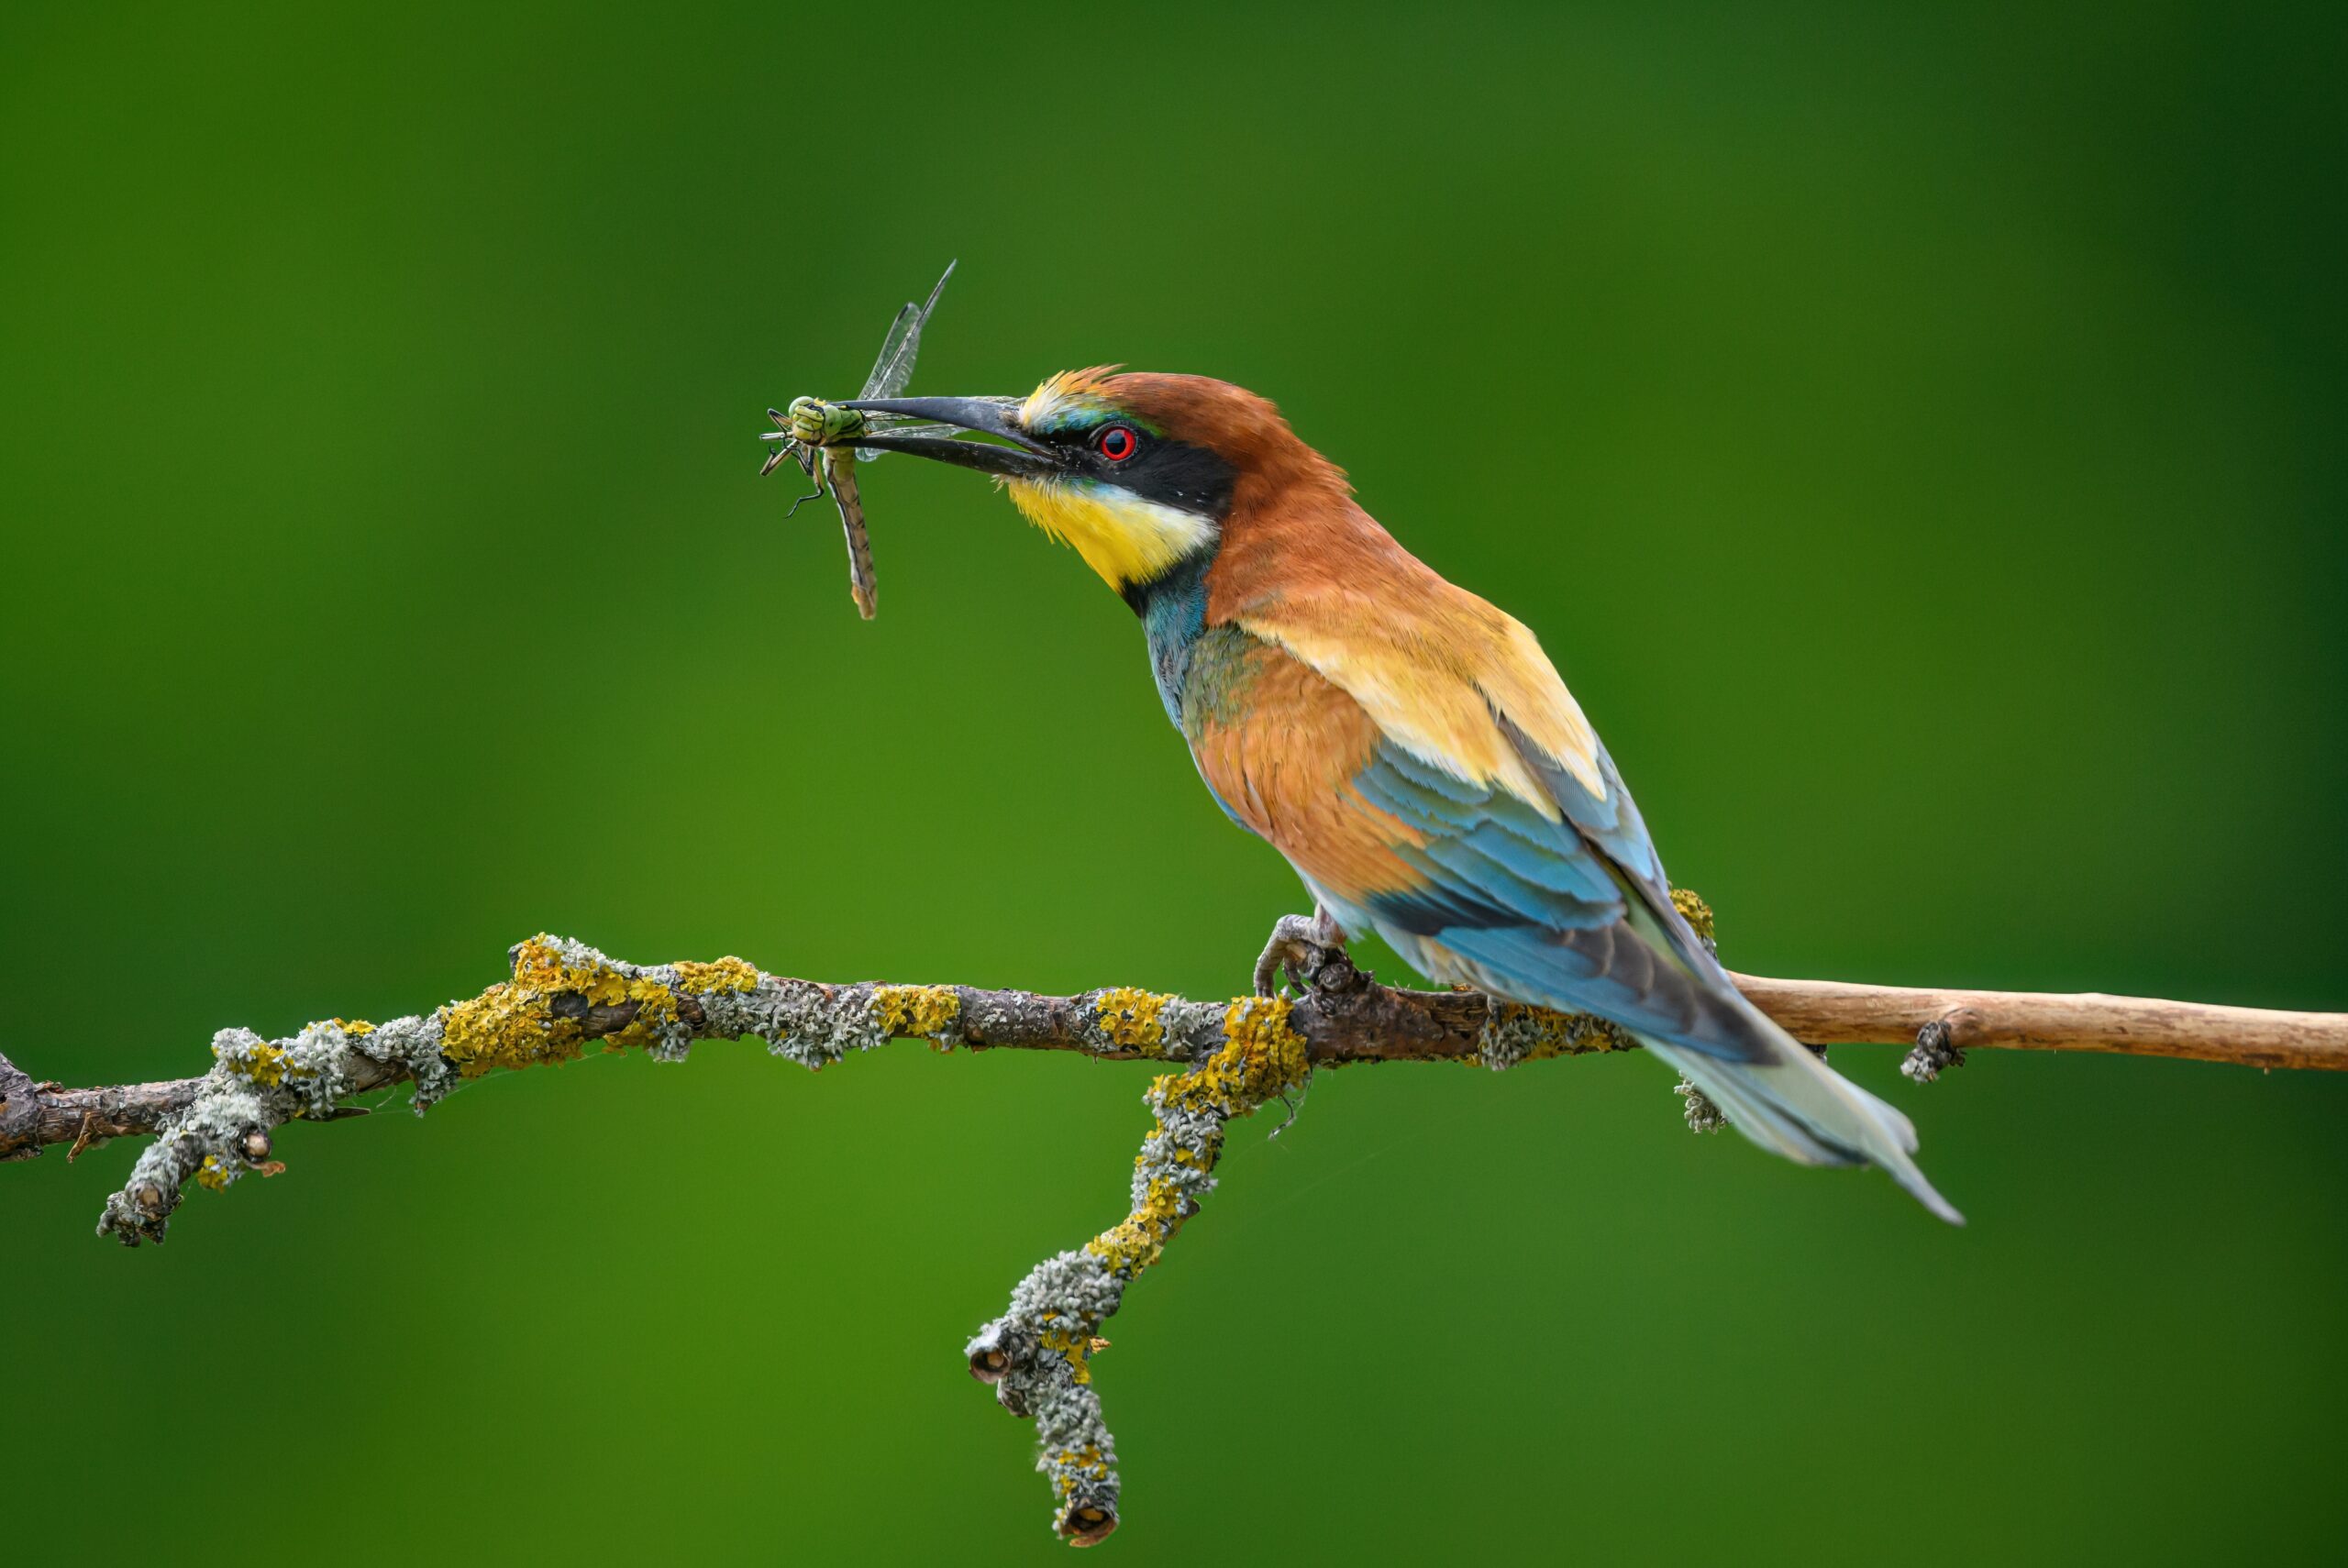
(1916, 434)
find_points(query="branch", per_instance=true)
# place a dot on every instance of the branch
(1232, 1058)
(1831, 1012)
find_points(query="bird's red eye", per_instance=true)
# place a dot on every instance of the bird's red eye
(1117, 442)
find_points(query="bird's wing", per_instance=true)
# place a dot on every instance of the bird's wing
(1451, 680)
(1417, 755)
(1547, 893)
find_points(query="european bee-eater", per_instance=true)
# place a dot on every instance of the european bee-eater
(1406, 746)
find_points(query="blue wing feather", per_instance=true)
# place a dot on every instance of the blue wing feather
(1612, 824)
(1562, 912)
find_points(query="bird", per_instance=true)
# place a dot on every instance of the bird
(1406, 745)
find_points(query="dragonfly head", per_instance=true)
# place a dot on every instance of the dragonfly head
(1139, 472)
(817, 423)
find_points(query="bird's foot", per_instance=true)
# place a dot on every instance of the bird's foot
(1307, 946)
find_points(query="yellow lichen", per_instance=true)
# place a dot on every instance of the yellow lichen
(538, 967)
(515, 1025)
(212, 1176)
(506, 1026)
(1694, 910)
(927, 1012)
(1073, 1343)
(354, 1026)
(656, 1004)
(264, 1065)
(1129, 1018)
(729, 974)
(1261, 1057)
(1139, 1240)
(1086, 1460)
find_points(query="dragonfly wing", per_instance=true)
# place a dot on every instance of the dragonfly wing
(905, 327)
(894, 368)
(897, 425)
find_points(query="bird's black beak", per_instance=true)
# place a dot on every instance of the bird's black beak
(1026, 458)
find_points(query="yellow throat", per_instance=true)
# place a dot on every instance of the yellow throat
(1122, 536)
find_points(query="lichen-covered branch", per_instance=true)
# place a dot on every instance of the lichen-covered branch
(1039, 1354)
(564, 998)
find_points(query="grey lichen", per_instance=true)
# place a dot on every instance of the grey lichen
(1506, 1040)
(1513, 1034)
(1076, 1455)
(256, 1086)
(207, 1144)
(412, 1045)
(1702, 1115)
(799, 1021)
(1037, 1355)
(1935, 1052)
(818, 1025)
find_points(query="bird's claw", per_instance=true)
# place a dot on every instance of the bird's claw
(1301, 945)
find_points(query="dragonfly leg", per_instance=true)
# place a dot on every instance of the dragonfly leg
(813, 473)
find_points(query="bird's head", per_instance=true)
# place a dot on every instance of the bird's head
(1141, 473)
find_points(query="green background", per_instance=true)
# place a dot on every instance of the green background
(1916, 433)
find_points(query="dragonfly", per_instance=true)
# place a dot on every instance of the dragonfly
(808, 433)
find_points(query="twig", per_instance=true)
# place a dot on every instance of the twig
(1831, 1012)
(1233, 1056)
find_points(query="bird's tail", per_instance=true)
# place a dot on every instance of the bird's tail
(1795, 1105)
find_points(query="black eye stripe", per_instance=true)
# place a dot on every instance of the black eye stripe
(1170, 472)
